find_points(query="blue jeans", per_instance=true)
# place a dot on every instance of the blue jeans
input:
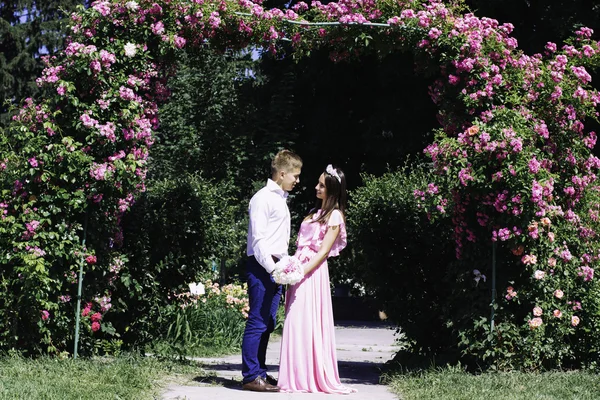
(263, 296)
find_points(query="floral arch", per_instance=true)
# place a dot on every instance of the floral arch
(513, 156)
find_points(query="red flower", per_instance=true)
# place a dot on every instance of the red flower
(85, 311)
(96, 317)
(95, 326)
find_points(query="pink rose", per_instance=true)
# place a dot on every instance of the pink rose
(545, 221)
(558, 294)
(95, 326)
(91, 259)
(45, 315)
(510, 293)
(537, 311)
(535, 323)
(575, 320)
(96, 317)
(539, 274)
(557, 313)
(86, 310)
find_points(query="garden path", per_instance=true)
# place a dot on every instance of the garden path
(362, 349)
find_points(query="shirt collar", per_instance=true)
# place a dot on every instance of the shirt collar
(274, 187)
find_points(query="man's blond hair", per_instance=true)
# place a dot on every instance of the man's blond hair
(285, 160)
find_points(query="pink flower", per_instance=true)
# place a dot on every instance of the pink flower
(551, 47)
(33, 162)
(545, 221)
(539, 274)
(101, 171)
(552, 262)
(535, 323)
(575, 320)
(87, 120)
(534, 166)
(32, 226)
(91, 259)
(179, 41)
(45, 315)
(581, 74)
(586, 272)
(96, 317)
(537, 311)
(95, 66)
(510, 293)
(453, 79)
(214, 20)
(64, 298)
(95, 326)
(558, 294)
(566, 255)
(557, 313)
(529, 259)
(103, 7)
(158, 28)
(434, 33)
(126, 93)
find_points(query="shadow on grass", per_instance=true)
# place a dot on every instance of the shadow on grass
(405, 362)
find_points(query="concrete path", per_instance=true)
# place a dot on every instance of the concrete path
(362, 349)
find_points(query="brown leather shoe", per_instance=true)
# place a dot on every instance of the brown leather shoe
(260, 385)
(271, 380)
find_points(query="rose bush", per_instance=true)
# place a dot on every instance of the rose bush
(513, 157)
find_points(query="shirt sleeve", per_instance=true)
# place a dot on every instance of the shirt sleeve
(336, 219)
(259, 218)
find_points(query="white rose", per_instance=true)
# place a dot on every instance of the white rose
(130, 49)
(132, 5)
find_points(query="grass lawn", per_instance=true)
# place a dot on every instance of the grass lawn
(125, 377)
(454, 384)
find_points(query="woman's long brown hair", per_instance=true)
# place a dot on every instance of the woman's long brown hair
(336, 196)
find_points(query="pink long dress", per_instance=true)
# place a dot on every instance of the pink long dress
(308, 362)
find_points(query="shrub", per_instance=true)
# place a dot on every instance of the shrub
(172, 236)
(207, 321)
(400, 258)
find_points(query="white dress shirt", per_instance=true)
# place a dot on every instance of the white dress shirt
(269, 227)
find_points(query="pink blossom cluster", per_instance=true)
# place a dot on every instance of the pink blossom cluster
(510, 293)
(94, 317)
(587, 273)
(35, 250)
(101, 172)
(104, 302)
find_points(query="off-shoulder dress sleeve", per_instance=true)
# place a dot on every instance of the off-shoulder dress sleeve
(336, 219)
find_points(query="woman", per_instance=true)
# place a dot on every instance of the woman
(308, 362)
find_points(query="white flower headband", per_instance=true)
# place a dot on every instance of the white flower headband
(331, 171)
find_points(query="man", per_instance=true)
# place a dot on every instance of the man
(268, 241)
